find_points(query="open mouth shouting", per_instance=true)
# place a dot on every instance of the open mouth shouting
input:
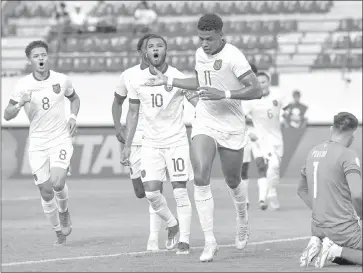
(41, 65)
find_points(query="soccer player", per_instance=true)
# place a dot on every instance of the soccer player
(224, 78)
(265, 114)
(135, 157)
(331, 186)
(165, 147)
(42, 93)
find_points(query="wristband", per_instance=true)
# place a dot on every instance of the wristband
(170, 81)
(228, 94)
(73, 116)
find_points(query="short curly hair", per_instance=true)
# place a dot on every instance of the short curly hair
(345, 121)
(159, 37)
(210, 21)
(35, 44)
(141, 41)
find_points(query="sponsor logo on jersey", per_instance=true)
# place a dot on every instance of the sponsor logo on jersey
(275, 102)
(56, 88)
(168, 88)
(217, 64)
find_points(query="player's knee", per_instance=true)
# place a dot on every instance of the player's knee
(261, 167)
(233, 180)
(46, 191)
(202, 176)
(155, 199)
(244, 172)
(58, 178)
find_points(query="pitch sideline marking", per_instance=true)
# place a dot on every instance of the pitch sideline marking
(144, 252)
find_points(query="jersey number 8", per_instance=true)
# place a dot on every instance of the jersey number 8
(45, 102)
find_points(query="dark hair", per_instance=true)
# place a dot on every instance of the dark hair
(296, 93)
(345, 121)
(141, 41)
(253, 68)
(262, 73)
(35, 44)
(210, 21)
(157, 36)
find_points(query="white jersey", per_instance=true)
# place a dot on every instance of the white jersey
(221, 71)
(265, 114)
(46, 110)
(163, 110)
(122, 91)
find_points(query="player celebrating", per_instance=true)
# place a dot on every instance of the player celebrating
(165, 145)
(331, 186)
(50, 135)
(265, 114)
(135, 157)
(224, 78)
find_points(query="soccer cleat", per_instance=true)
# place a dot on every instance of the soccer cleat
(152, 245)
(61, 239)
(209, 251)
(172, 240)
(310, 252)
(262, 205)
(273, 203)
(242, 235)
(183, 248)
(325, 253)
(66, 223)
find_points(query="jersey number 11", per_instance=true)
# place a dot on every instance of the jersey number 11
(208, 80)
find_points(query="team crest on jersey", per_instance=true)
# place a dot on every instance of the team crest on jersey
(56, 88)
(168, 88)
(275, 102)
(143, 173)
(217, 64)
(357, 161)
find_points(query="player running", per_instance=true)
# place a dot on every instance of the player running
(42, 93)
(135, 156)
(265, 114)
(331, 186)
(165, 147)
(224, 78)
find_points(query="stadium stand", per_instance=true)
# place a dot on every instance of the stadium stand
(279, 36)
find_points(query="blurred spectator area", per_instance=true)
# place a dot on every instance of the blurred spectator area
(275, 35)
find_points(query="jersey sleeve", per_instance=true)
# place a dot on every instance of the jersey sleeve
(350, 162)
(239, 63)
(68, 86)
(18, 93)
(132, 92)
(121, 90)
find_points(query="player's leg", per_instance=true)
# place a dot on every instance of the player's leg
(60, 158)
(135, 175)
(245, 166)
(273, 176)
(153, 166)
(39, 164)
(178, 165)
(231, 163)
(203, 151)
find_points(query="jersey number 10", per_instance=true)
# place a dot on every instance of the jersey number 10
(157, 100)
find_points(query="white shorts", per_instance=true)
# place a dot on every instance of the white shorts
(252, 149)
(235, 141)
(135, 161)
(41, 162)
(269, 150)
(157, 162)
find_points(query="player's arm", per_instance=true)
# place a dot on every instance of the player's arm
(352, 172)
(118, 100)
(17, 101)
(132, 119)
(303, 190)
(73, 97)
(192, 97)
(191, 83)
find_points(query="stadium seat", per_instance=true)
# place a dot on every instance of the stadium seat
(65, 64)
(81, 64)
(97, 64)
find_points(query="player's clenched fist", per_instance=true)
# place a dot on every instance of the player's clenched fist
(72, 126)
(25, 98)
(125, 156)
(210, 93)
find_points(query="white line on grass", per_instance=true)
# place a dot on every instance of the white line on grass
(143, 252)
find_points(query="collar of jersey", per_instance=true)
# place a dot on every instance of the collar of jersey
(219, 50)
(46, 78)
(166, 69)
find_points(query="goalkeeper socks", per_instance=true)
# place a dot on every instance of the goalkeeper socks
(155, 224)
(62, 198)
(50, 209)
(205, 206)
(184, 210)
(239, 200)
(262, 188)
(160, 206)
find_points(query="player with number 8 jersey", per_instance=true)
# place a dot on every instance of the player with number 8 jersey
(42, 94)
